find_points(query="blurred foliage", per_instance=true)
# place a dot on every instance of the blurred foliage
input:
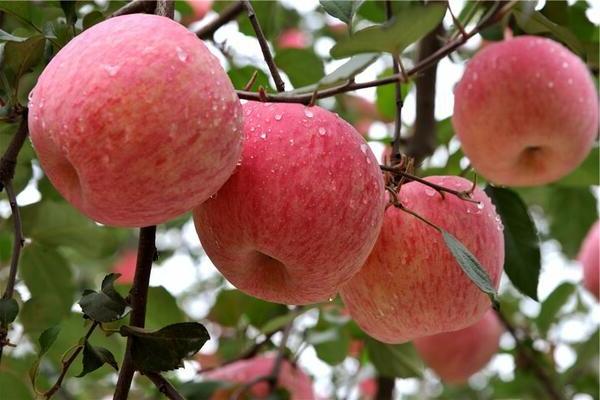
(65, 253)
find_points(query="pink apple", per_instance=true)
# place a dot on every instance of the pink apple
(126, 266)
(135, 122)
(300, 215)
(368, 389)
(455, 356)
(291, 377)
(200, 7)
(589, 257)
(293, 39)
(411, 285)
(526, 111)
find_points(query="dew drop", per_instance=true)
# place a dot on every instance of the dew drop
(292, 142)
(363, 148)
(565, 64)
(111, 70)
(537, 74)
(322, 131)
(475, 76)
(181, 54)
(430, 192)
(263, 135)
(550, 84)
(277, 117)
(570, 81)
(480, 206)
(330, 299)
(308, 113)
(368, 160)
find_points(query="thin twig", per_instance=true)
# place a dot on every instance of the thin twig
(136, 6)
(385, 388)
(264, 46)
(18, 240)
(165, 8)
(540, 373)
(66, 364)
(8, 162)
(395, 156)
(498, 11)
(138, 296)
(227, 15)
(164, 386)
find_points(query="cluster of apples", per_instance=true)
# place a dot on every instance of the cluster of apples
(135, 123)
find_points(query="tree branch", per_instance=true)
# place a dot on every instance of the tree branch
(539, 371)
(136, 6)
(264, 46)
(227, 15)
(496, 13)
(395, 156)
(66, 364)
(137, 299)
(165, 8)
(422, 142)
(164, 386)
(385, 388)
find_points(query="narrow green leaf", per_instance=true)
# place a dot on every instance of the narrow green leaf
(69, 8)
(394, 361)
(9, 308)
(393, 36)
(7, 37)
(92, 19)
(165, 349)
(94, 357)
(47, 339)
(552, 305)
(522, 261)
(536, 23)
(343, 10)
(104, 306)
(471, 266)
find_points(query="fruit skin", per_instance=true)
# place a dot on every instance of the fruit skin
(135, 122)
(589, 257)
(126, 266)
(534, 102)
(293, 39)
(455, 356)
(300, 215)
(411, 285)
(291, 377)
(200, 7)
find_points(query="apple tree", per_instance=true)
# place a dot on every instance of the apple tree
(299, 199)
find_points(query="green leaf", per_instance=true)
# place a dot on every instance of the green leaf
(386, 96)
(13, 387)
(7, 37)
(393, 36)
(343, 10)
(106, 305)
(166, 348)
(69, 8)
(522, 261)
(587, 174)
(48, 277)
(552, 305)
(569, 223)
(232, 305)
(9, 308)
(535, 23)
(394, 361)
(302, 66)
(20, 57)
(47, 339)
(200, 390)
(471, 266)
(92, 19)
(162, 308)
(330, 337)
(241, 76)
(95, 357)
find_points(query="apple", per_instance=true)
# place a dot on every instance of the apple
(368, 389)
(291, 377)
(200, 7)
(589, 257)
(135, 122)
(411, 285)
(301, 213)
(293, 39)
(455, 356)
(532, 101)
(126, 266)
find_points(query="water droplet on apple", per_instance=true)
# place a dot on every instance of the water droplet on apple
(368, 160)
(430, 192)
(292, 142)
(263, 135)
(322, 131)
(570, 81)
(550, 84)
(480, 205)
(181, 54)
(363, 148)
(277, 117)
(111, 70)
(308, 113)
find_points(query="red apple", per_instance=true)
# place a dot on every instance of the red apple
(532, 101)
(368, 389)
(291, 377)
(300, 215)
(135, 122)
(411, 285)
(293, 39)
(455, 356)
(589, 257)
(200, 7)
(126, 266)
